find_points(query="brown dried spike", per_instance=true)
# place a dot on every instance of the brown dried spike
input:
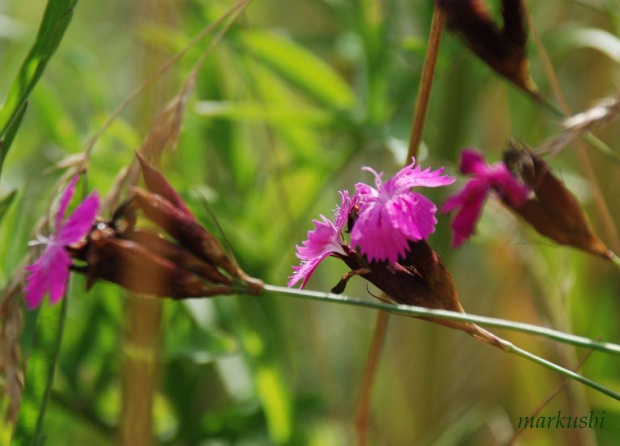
(134, 267)
(177, 255)
(514, 22)
(185, 229)
(157, 183)
(504, 50)
(421, 279)
(554, 212)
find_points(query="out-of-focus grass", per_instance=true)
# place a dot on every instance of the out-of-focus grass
(292, 103)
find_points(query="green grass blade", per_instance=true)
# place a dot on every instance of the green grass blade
(55, 21)
(5, 203)
(11, 129)
(40, 375)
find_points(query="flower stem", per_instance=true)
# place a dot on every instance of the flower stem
(426, 82)
(417, 128)
(490, 338)
(370, 372)
(511, 348)
(410, 310)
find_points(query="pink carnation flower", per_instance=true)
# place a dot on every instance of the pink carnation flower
(471, 199)
(324, 240)
(392, 215)
(51, 271)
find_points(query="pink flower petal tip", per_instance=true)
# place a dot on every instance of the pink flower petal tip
(50, 272)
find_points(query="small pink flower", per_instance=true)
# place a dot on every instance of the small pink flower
(324, 240)
(392, 215)
(51, 271)
(471, 199)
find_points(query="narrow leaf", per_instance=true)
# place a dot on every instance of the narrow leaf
(9, 134)
(40, 375)
(55, 21)
(5, 203)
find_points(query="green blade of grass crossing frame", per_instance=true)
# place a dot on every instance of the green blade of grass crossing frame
(5, 203)
(40, 368)
(55, 21)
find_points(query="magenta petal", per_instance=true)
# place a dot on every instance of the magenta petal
(423, 220)
(49, 272)
(64, 200)
(471, 200)
(409, 177)
(59, 275)
(434, 179)
(305, 270)
(363, 190)
(376, 235)
(323, 238)
(391, 215)
(80, 222)
(404, 213)
(343, 211)
(323, 241)
(508, 186)
(472, 161)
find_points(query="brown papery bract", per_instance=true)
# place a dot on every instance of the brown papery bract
(553, 210)
(194, 264)
(421, 279)
(502, 48)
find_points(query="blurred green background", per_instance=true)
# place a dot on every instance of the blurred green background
(296, 98)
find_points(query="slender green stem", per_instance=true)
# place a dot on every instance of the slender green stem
(503, 344)
(511, 348)
(410, 310)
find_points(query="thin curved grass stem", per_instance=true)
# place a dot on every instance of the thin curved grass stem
(511, 348)
(487, 337)
(428, 313)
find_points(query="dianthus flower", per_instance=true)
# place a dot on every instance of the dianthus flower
(471, 199)
(51, 271)
(385, 220)
(324, 240)
(391, 215)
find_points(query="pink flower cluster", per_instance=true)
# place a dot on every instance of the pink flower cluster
(388, 217)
